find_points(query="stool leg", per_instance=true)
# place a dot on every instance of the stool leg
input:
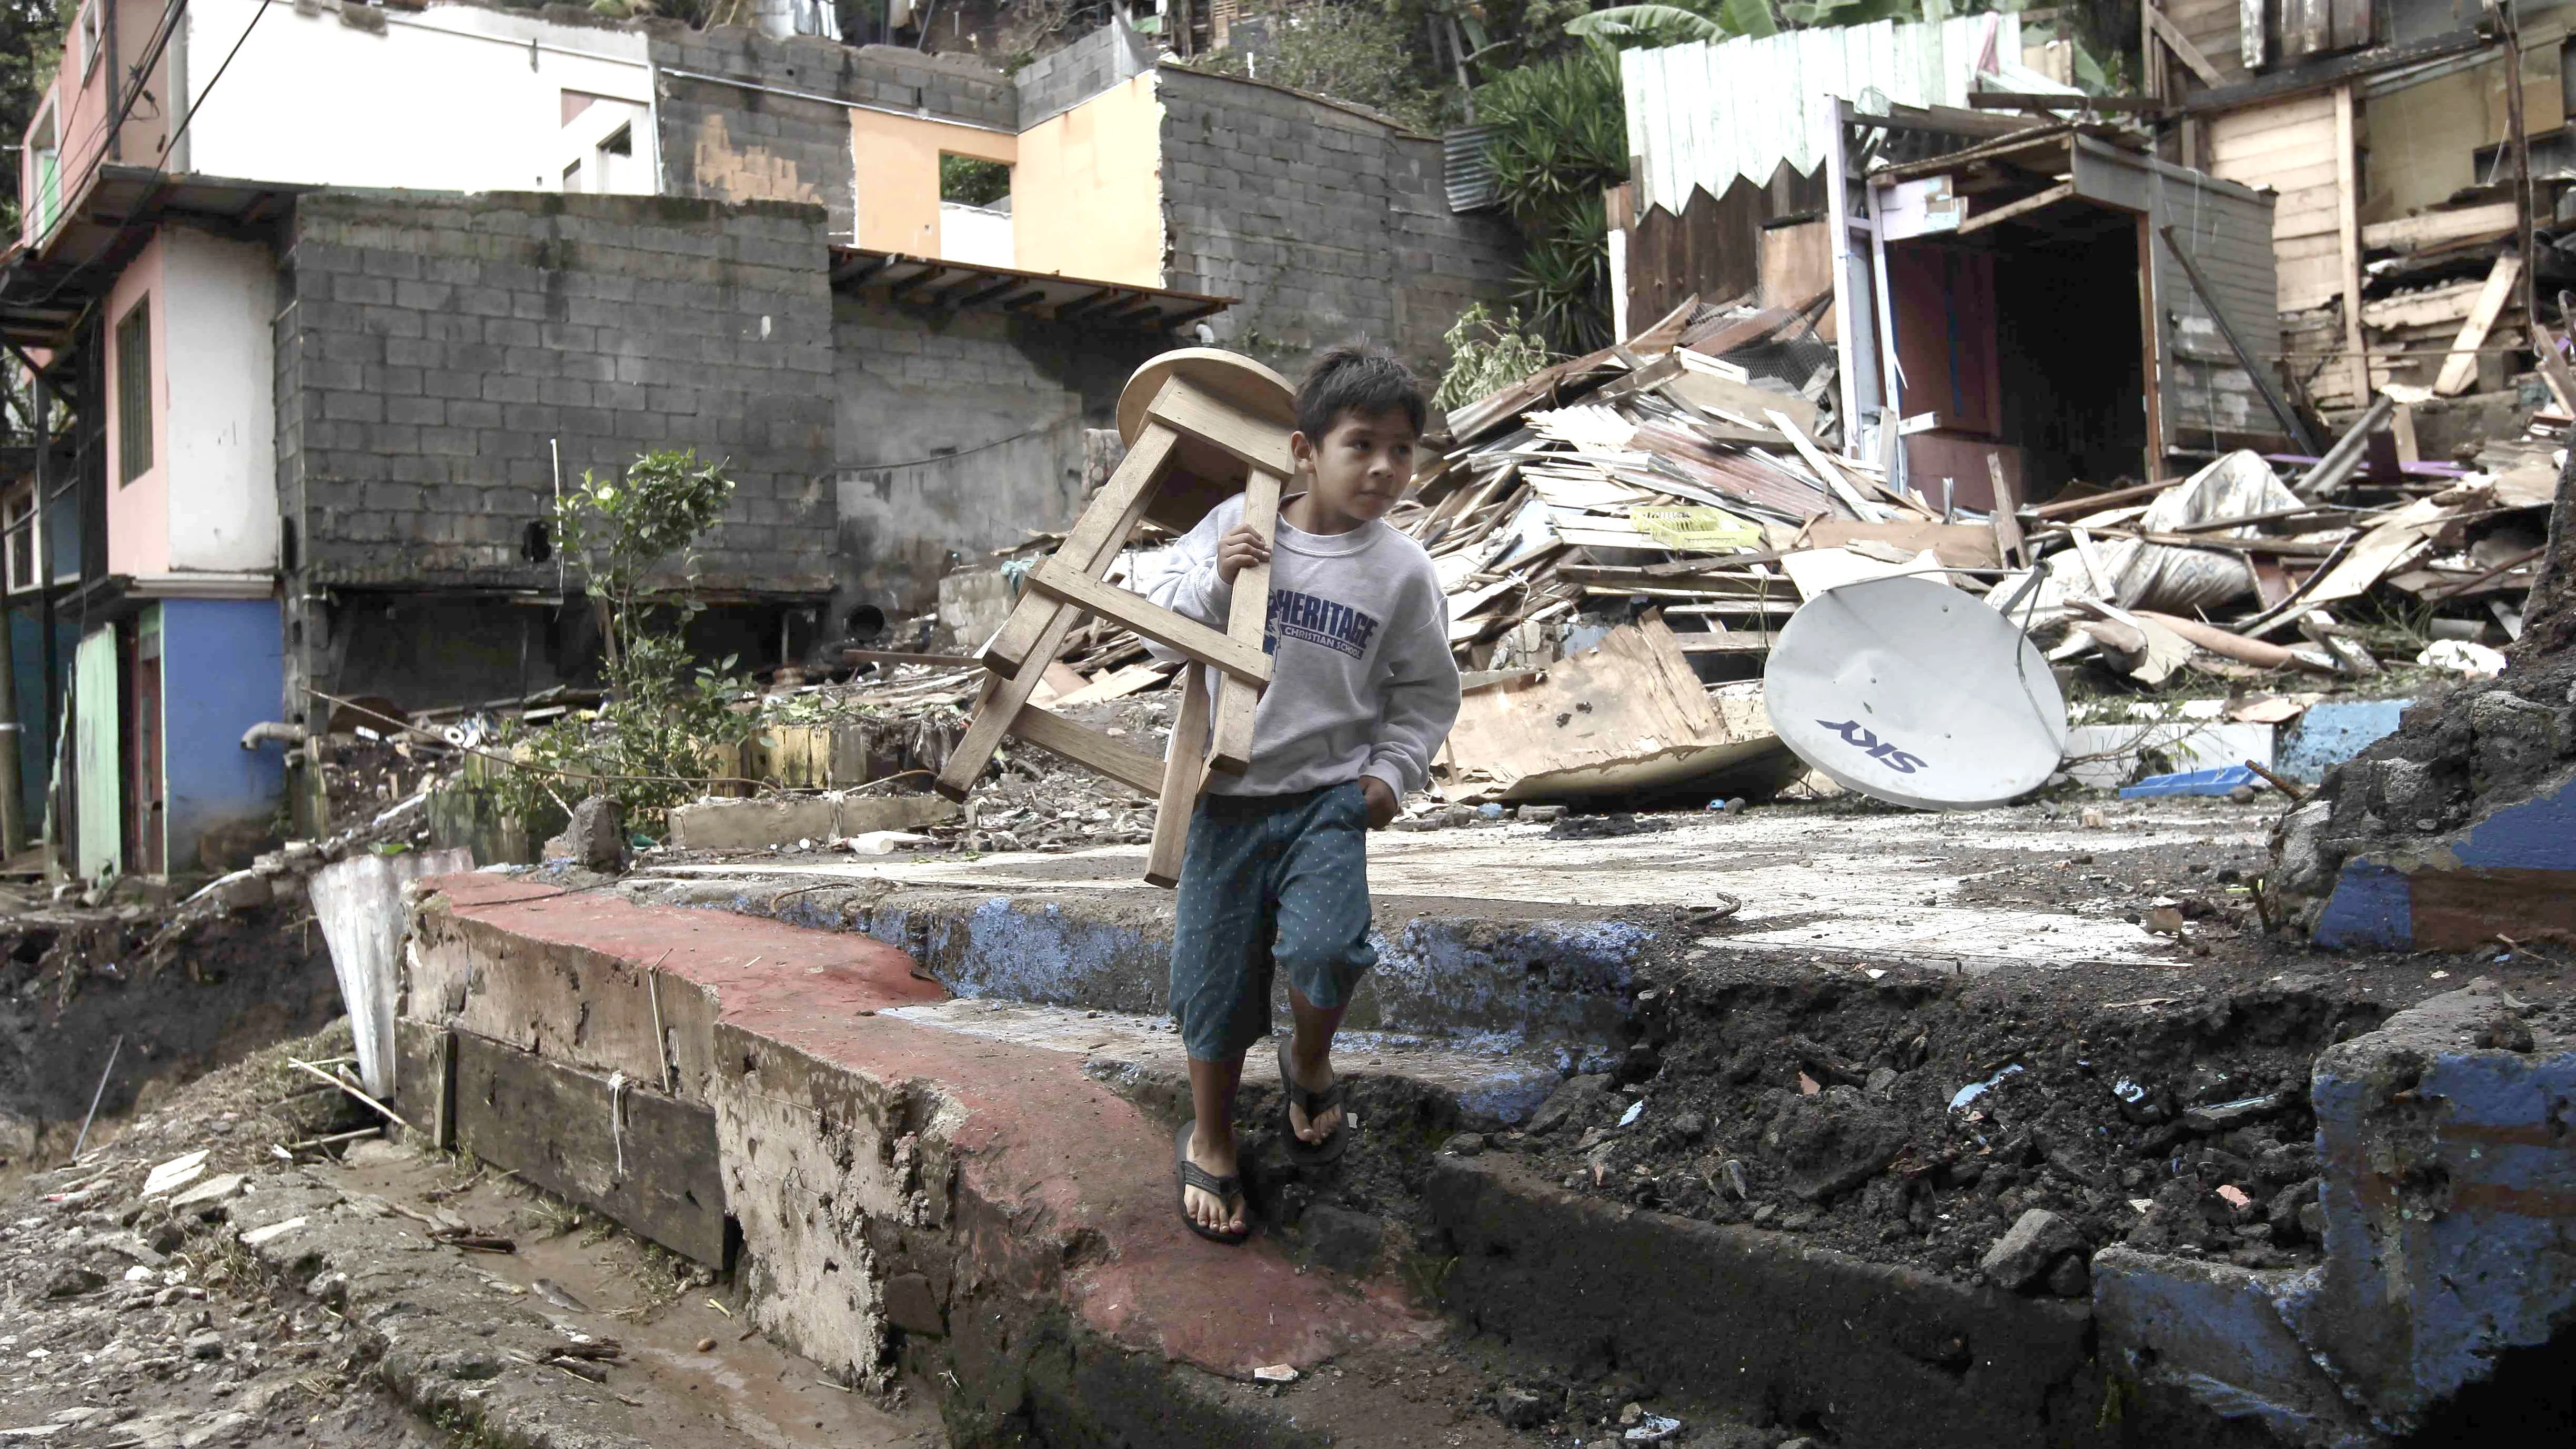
(1184, 772)
(1091, 547)
(1248, 620)
(1003, 696)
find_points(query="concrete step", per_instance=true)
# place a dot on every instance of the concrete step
(1861, 1353)
(955, 1189)
(1553, 981)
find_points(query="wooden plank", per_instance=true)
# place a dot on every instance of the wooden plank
(1831, 476)
(1196, 413)
(1247, 617)
(425, 1080)
(1172, 630)
(2008, 211)
(2440, 228)
(550, 1124)
(898, 656)
(2553, 370)
(1090, 749)
(2443, 307)
(2006, 518)
(1184, 775)
(1000, 702)
(1095, 538)
(2461, 368)
(2180, 44)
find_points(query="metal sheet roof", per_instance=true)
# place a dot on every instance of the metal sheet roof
(1700, 115)
(957, 286)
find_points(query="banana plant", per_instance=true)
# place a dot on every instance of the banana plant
(1623, 26)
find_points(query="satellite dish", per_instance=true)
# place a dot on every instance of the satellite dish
(1911, 691)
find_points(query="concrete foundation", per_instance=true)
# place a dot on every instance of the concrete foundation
(2450, 1235)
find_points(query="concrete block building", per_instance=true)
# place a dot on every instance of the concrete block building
(307, 391)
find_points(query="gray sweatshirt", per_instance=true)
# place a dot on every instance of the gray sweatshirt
(1361, 680)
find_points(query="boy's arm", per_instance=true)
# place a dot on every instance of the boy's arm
(1420, 701)
(1189, 584)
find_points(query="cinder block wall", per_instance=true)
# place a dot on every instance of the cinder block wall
(1326, 221)
(1062, 79)
(960, 436)
(781, 133)
(436, 348)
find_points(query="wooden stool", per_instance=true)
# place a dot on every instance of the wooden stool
(1201, 425)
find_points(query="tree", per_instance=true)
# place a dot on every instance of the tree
(31, 45)
(1560, 140)
(665, 731)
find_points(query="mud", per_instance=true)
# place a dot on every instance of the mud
(148, 1322)
(2454, 754)
(184, 998)
(1907, 1118)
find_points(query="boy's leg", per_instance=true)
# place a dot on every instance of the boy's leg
(1310, 1056)
(1212, 1089)
(1323, 939)
(1220, 987)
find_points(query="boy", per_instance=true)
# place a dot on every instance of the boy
(1362, 691)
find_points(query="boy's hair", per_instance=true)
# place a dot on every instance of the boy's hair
(1358, 378)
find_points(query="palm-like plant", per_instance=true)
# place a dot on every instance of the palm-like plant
(1560, 139)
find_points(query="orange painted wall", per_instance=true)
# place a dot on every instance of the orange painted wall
(897, 162)
(138, 513)
(1087, 198)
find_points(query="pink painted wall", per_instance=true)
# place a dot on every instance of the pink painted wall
(79, 100)
(138, 513)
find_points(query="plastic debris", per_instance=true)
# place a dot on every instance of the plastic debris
(1960, 1100)
(1277, 1373)
(2462, 656)
(2191, 782)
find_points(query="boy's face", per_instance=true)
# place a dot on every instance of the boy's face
(1363, 462)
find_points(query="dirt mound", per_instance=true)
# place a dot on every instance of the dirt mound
(1916, 1120)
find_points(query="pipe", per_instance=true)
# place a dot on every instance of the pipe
(270, 731)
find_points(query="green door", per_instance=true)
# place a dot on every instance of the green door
(98, 758)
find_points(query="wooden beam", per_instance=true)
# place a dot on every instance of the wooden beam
(2045, 101)
(2009, 210)
(2553, 368)
(1248, 617)
(898, 656)
(2318, 75)
(1125, 492)
(1179, 633)
(551, 1125)
(2180, 44)
(2462, 367)
(1184, 775)
(1090, 749)
(2006, 518)
(2438, 228)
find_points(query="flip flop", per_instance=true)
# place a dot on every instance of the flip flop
(1227, 1190)
(1300, 1151)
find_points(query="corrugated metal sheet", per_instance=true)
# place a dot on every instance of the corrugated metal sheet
(1467, 166)
(1701, 115)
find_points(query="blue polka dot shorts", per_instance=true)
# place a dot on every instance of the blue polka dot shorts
(1269, 882)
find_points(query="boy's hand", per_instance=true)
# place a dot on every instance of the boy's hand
(1238, 551)
(1381, 801)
